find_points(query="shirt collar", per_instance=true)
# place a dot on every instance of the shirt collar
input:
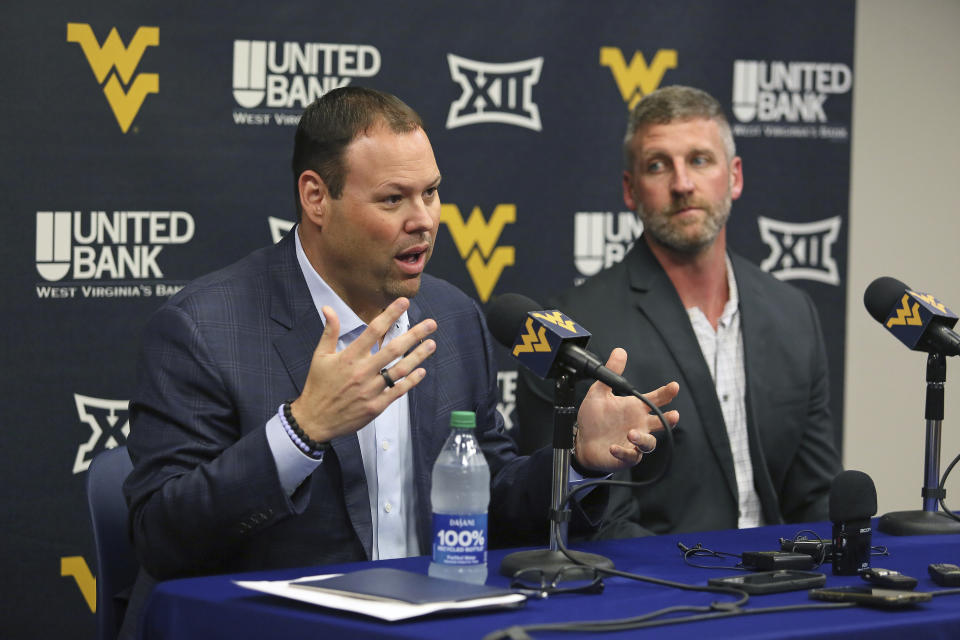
(732, 306)
(323, 295)
(733, 303)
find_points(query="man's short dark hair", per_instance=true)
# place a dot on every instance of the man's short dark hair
(333, 121)
(673, 104)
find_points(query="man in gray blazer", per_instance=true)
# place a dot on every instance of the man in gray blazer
(286, 413)
(755, 441)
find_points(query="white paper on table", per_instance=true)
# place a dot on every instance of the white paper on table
(384, 610)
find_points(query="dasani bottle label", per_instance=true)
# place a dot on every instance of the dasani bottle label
(460, 539)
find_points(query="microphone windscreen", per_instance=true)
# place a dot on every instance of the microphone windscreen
(506, 315)
(882, 295)
(853, 496)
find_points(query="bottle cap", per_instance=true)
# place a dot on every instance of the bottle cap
(463, 419)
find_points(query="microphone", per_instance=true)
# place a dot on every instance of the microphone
(551, 345)
(853, 500)
(547, 342)
(918, 320)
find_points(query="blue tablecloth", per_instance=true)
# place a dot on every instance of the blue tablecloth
(213, 607)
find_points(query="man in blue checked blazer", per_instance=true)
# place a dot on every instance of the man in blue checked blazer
(289, 407)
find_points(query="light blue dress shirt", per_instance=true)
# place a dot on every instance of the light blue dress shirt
(384, 442)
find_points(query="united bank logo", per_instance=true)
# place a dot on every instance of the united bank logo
(115, 63)
(109, 424)
(788, 99)
(89, 248)
(602, 238)
(638, 79)
(495, 92)
(801, 250)
(291, 75)
(476, 241)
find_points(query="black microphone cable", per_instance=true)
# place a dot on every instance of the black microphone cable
(698, 613)
(713, 611)
(668, 454)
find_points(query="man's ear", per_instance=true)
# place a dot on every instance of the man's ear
(314, 196)
(628, 197)
(736, 178)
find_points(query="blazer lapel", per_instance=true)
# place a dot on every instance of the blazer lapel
(292, 307)
(655, 296)
(423, 402)
(756, 325)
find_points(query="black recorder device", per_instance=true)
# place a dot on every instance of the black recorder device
(772, 560)
(853, 500)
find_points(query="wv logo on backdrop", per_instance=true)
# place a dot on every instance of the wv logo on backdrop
(602, 238)
(801, 250)
(639, 79)
(495, 92)
(76, 567)
(116, 60)
(476, 241)
(109, 424)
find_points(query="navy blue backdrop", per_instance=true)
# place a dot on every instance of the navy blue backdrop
(144, 144)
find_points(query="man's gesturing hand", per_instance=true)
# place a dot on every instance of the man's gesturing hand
(615, 431)
(345, 390)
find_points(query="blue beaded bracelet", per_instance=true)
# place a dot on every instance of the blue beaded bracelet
(309, 446)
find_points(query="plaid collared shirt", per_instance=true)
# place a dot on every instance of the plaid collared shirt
(723, 351)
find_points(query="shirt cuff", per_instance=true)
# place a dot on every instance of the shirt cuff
(574, 478)
(293, 465)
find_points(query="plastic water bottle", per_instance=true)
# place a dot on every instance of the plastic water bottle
(459, 496)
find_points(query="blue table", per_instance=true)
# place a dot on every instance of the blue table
(213, 607)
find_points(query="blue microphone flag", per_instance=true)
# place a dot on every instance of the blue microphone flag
(909, 320)
(540, 338)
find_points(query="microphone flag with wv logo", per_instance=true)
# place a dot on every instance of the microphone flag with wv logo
(908, 321)
(540, 339)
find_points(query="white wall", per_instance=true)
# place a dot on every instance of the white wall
(905, 223)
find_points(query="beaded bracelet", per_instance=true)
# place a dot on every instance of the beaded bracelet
(306, 444)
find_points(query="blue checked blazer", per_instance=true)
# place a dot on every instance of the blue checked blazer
(217, 361)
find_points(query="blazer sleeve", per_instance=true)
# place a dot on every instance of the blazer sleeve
(200, 486)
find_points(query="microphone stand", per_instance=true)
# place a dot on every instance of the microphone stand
(553, 562)
(928, 520)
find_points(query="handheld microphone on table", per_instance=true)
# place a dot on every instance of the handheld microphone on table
(853, 500)
(916, 319)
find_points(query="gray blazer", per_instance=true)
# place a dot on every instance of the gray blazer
(634, 305)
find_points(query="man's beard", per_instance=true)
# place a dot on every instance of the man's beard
(676, 235)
